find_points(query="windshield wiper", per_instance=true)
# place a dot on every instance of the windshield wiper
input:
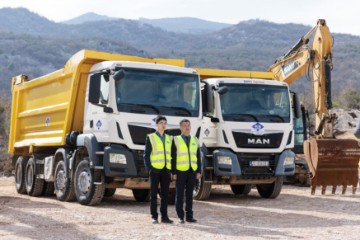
(144, 105)
(276, 116)
(179, 108)
(245, 114)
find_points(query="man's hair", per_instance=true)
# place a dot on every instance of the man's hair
(159, 118)
(184, 121)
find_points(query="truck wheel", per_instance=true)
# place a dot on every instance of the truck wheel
(64, 187)
(202, 189)
(20, 167)
(141, 195)
(48, 189)
(243, 189)
(87, 193)
(109, 192)
(270, 190)
(34, 186)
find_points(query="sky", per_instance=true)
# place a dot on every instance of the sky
(341, 16)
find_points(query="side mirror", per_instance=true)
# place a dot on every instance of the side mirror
(222, 90)
(119, 75)
(297, 108)
(206, 97)
(94, 88)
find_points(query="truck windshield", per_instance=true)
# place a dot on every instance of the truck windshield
(254, 102)
(158, 92)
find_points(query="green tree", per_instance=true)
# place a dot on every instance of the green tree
(349, 98)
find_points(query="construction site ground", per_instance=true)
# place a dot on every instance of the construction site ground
(295, 214)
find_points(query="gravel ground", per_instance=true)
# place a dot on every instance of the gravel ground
(295, 214)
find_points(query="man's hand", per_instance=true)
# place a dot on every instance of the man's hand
(173, 177)
(198, 175)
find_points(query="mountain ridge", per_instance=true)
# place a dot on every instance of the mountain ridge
(29, 41)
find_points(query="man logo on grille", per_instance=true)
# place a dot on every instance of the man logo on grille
(258, 141)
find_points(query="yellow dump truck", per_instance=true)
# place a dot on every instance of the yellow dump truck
(80, 131)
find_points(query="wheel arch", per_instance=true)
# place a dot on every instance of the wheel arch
(62, 154)
(87, 147)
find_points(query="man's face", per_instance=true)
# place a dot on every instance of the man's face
(185, 128)
(161, 126)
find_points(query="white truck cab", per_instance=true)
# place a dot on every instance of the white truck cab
(247, 132)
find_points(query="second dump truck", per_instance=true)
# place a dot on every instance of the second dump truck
(80, 131)
(247, 132)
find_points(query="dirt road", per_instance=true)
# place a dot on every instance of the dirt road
(295, 214)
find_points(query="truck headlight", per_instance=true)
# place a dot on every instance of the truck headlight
(289, 161)
(226, 160)
(117, 158)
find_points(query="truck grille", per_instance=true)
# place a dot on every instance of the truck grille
(248, 140)
(138, 133)
(140, 165)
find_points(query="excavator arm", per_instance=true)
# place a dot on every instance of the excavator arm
(331, 161)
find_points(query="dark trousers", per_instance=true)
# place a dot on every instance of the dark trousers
(185, 181)
(162, 177)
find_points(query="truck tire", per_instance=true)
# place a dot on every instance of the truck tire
(243, 189)
(270, 190)
(34, 186)
(20, 167)
(202, 189)
(48, 189)
(64, 187)
(87, 193)
(109, 192)
(141, 195)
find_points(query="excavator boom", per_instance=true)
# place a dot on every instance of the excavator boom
(332, 161)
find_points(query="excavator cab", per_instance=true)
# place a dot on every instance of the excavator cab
(302, 173)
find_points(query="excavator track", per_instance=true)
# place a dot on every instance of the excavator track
(333, 162)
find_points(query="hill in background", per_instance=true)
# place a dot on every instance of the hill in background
(88, 17)
(185, 25)
(33, 45)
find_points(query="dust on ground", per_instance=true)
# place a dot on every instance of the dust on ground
(295, 214)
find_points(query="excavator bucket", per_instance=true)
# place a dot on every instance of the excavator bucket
(332, 162)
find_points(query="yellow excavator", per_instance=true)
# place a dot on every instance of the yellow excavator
(332, 157)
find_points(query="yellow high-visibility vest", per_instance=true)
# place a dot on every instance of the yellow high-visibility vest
(186, 156)
(160, 156)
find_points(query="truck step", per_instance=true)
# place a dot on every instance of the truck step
(99, 167)
(98, 183)
(99, 153)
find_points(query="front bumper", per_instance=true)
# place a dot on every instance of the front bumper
(253, 165)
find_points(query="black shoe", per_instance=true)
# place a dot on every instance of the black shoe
(167, 220)
(154, 221)
(181, 220)
(191, 220)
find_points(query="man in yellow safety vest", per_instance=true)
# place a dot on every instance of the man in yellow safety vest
(186, 168)
(157, 159)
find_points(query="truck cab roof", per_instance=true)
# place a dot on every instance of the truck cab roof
(141, 65)
(217, 81)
